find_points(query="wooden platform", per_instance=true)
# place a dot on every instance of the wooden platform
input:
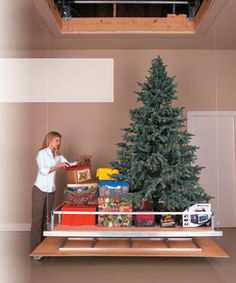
(130, 241)
(201, 247)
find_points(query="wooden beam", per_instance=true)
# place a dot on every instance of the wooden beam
(202, 12)
(114, 10)
(173, 25)
(55, 13)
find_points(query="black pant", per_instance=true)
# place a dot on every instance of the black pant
(42, 205)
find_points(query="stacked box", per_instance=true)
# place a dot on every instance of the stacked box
(104, 173)
(78, 219)
(78, 174)
(116, 204)
(81, 194)
(167, 221)
(113, 188)
(201, 215)
(145, 220)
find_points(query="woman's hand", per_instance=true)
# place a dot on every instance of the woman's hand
(64, 165)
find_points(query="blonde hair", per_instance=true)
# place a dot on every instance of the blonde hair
(48, 138)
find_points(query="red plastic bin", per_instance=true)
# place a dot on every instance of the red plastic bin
(145, 220)
(78, 219)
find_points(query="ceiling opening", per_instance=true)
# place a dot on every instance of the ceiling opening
(126, 8)
(128, 16)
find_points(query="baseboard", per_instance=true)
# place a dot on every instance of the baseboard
(18, 227)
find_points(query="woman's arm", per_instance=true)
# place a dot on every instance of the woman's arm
(43, 166)
(59, 166)
(63, 159)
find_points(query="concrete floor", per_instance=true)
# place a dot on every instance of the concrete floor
(17, 267)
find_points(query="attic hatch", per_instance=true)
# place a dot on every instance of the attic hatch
(129, 16)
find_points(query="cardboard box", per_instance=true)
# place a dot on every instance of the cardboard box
(116, 204)
(199, 214)
(81, 194)
(145, 220)
(77, 219)
(78, 174)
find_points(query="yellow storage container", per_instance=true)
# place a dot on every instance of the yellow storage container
(103, 173)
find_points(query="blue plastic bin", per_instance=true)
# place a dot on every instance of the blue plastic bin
(113, 188)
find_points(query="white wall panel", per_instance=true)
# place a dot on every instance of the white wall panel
(56, 80)
(214, 133)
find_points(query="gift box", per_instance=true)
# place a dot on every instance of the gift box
(113, 188)
(78, 219)
(81, 194)
(104, 173)
(145, 220)
(167, 221)
(78, 174)
(199, 214)
(116, 204)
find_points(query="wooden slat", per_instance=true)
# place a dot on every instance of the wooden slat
(79, 244)
(148, 244)
(50, 247)
(109, 244)
(188, 244)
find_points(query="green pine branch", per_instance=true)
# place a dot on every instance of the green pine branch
(155, 155)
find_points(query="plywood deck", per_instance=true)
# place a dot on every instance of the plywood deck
(123, 247)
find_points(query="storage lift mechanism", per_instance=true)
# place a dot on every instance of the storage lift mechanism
(64, 5)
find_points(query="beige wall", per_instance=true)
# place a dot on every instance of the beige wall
(205, 82)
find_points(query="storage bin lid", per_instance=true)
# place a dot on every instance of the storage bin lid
(111, 171)
(111, 183)
(79, 208)
(75, 168)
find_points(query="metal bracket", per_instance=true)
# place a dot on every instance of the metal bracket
(94, 242)
(192, 8)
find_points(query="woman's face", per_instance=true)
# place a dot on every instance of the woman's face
(55, 142)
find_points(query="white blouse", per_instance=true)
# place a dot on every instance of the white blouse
(45, 181)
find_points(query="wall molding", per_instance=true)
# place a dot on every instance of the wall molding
(15, 227)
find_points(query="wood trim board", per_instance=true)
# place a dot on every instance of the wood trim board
(129, 25)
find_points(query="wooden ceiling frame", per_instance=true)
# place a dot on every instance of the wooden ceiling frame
(172, 24)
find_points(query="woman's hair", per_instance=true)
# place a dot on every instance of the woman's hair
(48, 138)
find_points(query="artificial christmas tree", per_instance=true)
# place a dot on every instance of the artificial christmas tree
(155, 156)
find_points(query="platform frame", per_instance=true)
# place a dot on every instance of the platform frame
(65, 240)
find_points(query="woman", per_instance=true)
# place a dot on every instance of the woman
(49, 161)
